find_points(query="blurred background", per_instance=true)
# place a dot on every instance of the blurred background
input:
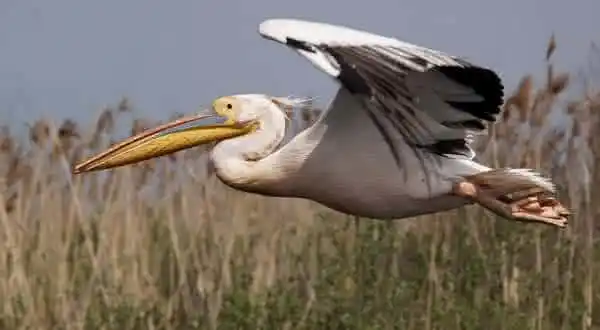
(165, 245)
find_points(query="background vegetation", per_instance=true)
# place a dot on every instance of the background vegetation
(165, 245)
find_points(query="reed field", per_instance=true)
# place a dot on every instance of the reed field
(165, 245)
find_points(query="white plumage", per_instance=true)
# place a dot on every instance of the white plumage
(409, 91)
(394, 142)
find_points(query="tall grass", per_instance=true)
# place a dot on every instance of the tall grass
(165, 245)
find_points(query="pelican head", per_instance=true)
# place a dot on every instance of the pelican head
(230, 117)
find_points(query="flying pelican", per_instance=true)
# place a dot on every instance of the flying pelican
(395, 142)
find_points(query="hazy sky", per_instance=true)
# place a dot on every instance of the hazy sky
(70, 57)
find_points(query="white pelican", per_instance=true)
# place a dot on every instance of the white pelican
(394, 142)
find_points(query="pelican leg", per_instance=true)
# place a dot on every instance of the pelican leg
(526, 206)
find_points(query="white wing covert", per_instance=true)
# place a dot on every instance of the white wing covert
(436, 101)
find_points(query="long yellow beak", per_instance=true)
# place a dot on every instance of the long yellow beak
(163, 140)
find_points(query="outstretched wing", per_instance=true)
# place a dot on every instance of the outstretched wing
(436, 101)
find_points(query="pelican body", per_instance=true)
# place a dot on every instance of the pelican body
(394, 142)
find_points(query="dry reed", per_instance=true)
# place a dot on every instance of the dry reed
(164, 245)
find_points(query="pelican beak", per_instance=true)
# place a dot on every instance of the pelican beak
(177, 135)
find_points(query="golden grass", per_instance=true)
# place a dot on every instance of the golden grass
(165, 245)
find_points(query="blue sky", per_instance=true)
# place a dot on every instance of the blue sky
(71, 57)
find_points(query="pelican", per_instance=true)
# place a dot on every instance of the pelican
(395, 141)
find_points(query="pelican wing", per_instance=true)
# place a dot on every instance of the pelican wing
(436, 101)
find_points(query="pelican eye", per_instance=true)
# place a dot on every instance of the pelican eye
(229, 106)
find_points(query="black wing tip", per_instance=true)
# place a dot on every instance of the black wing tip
(485, 82)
